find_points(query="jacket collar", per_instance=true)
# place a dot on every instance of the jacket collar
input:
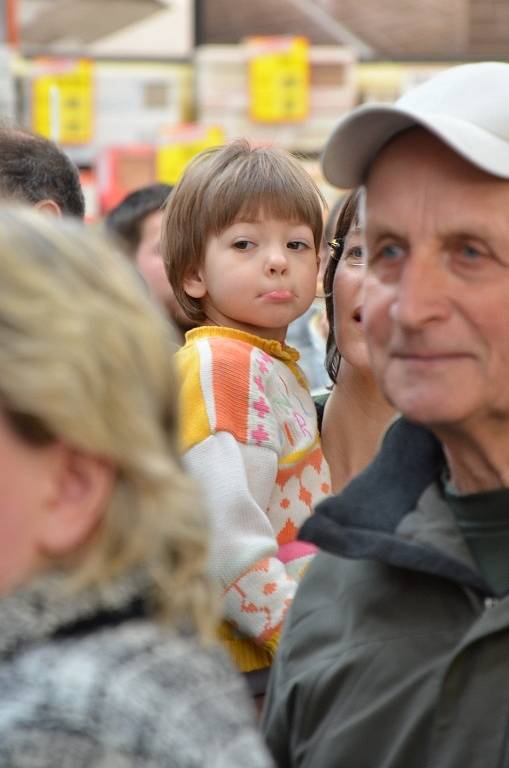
(365, 520)
(50, 607)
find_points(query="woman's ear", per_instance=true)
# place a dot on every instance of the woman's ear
(194, 284)
(78, 495)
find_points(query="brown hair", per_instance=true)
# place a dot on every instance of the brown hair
(125, 221)
(33, 169)
(348, 216)
(222, 185)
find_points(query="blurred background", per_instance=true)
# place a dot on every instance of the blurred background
(132, 89)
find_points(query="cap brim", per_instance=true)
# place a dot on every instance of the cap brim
(359, 137)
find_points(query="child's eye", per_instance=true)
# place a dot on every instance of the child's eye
(243, 245)
(297, 245)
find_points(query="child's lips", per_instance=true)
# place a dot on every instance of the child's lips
(278, 295)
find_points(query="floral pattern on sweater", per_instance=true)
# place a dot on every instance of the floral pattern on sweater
(249, 435)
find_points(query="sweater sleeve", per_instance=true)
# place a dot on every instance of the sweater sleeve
(238, 481)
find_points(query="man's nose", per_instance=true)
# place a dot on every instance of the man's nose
(421, 292)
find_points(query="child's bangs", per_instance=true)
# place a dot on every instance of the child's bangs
(265, 189)
(280, 203)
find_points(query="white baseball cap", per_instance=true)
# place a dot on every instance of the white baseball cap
(467, 107)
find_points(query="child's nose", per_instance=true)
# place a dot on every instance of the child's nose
(277, 261)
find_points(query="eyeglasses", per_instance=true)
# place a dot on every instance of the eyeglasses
(337, 245)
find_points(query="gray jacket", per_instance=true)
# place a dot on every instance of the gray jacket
(92, 682)
(394, 655)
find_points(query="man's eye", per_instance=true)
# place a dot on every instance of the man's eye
(385, 259)
(472, 256)
(391, 252)
(471, 252)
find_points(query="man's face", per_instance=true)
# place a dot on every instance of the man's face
(436, 308)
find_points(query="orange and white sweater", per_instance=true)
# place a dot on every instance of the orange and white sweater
(250, 437)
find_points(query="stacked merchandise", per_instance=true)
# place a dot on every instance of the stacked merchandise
(223, 95)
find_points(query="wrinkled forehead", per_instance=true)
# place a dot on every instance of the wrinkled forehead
(416, 148)
(407, 150)
(416, 173)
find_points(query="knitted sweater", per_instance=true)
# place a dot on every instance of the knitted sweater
(249, 435)
(90, 681)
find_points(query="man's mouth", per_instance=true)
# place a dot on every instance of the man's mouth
(428, 357)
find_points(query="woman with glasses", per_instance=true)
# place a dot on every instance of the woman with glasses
(355, 414)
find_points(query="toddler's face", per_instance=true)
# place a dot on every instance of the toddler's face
(257, 276)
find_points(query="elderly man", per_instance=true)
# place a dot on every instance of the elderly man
(396, 650)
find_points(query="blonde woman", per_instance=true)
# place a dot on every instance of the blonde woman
(105, 606)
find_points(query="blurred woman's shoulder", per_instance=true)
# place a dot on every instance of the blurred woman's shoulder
(86, 683)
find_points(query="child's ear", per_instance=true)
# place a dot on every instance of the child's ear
(194, 284)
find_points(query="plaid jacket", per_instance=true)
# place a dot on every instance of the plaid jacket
(90, 681)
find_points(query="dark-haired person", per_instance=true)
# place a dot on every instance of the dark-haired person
(136, 223)
(35, 171)
(356, 413)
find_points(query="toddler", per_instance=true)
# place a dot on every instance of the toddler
(241, 236)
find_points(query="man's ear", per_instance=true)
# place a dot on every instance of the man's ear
(49, 206)
(194, 284)
(78, 494)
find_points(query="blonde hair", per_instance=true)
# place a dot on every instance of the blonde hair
(223, 185)
(86, 358)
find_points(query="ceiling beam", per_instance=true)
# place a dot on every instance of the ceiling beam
(341, 34)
